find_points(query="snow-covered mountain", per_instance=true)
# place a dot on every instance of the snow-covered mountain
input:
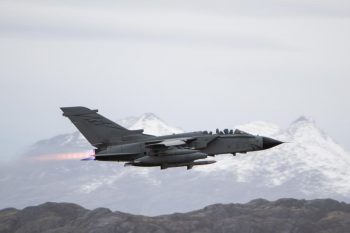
(75, 142)
(311, 165)
(310, 158)
(151, 124)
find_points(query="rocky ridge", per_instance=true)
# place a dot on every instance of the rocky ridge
(284, 215)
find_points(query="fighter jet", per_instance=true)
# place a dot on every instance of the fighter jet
(118, 144)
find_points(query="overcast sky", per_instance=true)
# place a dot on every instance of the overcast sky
(196, 64)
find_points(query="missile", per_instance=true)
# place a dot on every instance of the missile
(165, 166)
(188, 165)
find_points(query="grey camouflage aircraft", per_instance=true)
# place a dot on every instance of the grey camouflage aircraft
(116, 143)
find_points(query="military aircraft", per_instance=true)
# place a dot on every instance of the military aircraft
(116, 143)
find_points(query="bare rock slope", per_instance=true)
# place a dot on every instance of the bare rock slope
(283, 215)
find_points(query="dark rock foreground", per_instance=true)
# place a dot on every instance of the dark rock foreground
(284, 215)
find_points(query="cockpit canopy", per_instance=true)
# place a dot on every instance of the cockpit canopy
(226, 131)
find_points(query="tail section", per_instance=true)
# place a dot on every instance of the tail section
(98, 130)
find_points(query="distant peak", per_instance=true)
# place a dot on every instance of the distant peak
(306, 126)
(153, 125)
(303, 119)
(149, 116)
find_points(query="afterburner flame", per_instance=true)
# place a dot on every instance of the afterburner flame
(66, 156)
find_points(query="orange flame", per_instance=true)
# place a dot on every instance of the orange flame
(66, 156)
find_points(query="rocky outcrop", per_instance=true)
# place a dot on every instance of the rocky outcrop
(283, 215)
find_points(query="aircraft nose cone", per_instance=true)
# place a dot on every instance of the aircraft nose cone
(269, 143)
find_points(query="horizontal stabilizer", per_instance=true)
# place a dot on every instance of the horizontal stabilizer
(88, 159)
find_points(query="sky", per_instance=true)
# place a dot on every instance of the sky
(196, 64)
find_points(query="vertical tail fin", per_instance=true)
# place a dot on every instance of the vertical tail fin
(98, 130)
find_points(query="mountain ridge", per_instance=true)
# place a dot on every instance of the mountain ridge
(283, 215)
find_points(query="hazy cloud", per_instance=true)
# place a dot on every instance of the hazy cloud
(124, 24)
(249, 8)
(196, 64)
